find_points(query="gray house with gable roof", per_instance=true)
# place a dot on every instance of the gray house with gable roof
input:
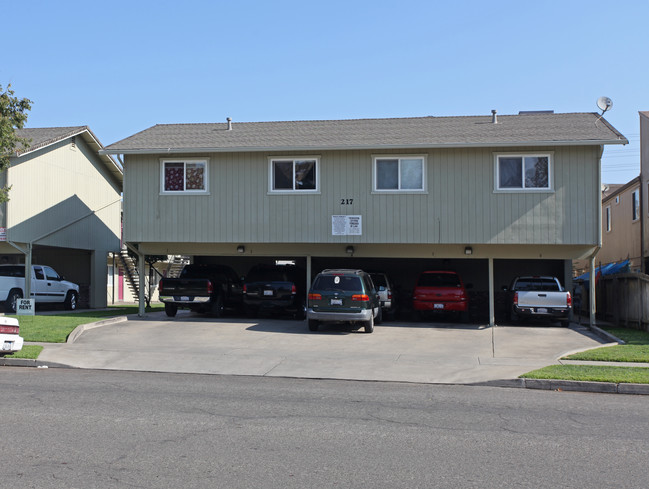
(489, 197)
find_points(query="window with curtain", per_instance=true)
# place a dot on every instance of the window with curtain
(294, 175)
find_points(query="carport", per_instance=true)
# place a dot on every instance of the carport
(402, 263)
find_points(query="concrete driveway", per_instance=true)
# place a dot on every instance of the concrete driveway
(396, 351)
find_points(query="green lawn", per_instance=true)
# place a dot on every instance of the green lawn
(27, 351)
(56, 328)
(636, 348)
(592, 373)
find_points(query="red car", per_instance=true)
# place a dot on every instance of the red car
(440, 292)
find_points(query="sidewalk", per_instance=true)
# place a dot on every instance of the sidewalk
(399, 352)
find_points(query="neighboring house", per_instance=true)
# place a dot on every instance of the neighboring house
(489, 197)
(64, 207)
(621, 229)
(644, 187)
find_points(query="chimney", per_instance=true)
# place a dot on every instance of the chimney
(494, 117)
(229, 119)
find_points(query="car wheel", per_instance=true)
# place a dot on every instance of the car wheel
(369, 325)
(12, 300)
(216, 309)
(300, 313)
(171, 309)
(379, 316)
(70, 301)
(564, 323)
(313, 325)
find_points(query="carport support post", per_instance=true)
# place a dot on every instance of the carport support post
(492, 295)
(593, 278)
(141, 270)
(28, 272)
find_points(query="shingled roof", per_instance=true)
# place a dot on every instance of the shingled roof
(41, 137)
(535, 129)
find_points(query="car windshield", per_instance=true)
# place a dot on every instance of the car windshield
(12, 271)
(378, 279)
(438, 280)
(338, 282)
(542, 284)
(269, 275)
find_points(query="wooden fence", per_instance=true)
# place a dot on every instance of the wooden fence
(622, 299)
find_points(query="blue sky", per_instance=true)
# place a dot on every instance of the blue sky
(120, 67)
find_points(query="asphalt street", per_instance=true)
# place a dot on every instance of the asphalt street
(104, 429)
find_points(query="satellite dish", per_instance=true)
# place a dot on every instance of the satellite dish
(604, 103)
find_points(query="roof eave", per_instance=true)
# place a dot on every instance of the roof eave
(253, 149)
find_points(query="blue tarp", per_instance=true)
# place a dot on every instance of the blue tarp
(610, 269)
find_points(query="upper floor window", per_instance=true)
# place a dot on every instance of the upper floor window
(608, 218)
(635, 203)
(524, 172)
(399, 174)
(184, 175)
(294, 175)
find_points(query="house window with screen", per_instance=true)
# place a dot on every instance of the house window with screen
(524, 172)
(299, 175)
(635, 203)
(399, 174)
(184, 176)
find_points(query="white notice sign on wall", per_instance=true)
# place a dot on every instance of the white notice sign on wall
(346, 225)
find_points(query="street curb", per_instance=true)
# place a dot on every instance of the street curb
(607, 335)
(79, 330)
(583, 386)
(27, 362)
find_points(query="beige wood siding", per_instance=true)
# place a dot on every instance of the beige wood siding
(55, 186)
(460, 205)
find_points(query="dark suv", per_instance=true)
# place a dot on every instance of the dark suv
(272, 289)
(343, 295)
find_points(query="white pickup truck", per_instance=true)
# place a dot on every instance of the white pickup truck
(46, 286)
(539, 297)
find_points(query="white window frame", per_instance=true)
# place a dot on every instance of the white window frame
(399, 157)
(523, 189)
(635, 204)
(184, 161)
(608, 217)
(294, 159)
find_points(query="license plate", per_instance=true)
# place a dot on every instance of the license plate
(8, 345)
(336, 302)
(184, 298)
(542, 310)
(438, 306)
(268, 292)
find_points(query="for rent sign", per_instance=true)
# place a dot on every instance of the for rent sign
(25, 307)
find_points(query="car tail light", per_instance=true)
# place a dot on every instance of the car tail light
(315, 297)
(389, 295)
(245, 289)
(9, 329)
(160, 287)
(210, 287)
(361, 297)
(516, 298)
(569, 300)
(293, 290)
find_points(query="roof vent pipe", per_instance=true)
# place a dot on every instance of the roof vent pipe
(494, 117)
(229, 119)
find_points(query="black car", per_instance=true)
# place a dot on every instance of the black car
(275, 289)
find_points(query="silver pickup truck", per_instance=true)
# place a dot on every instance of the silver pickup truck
(539, 297)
